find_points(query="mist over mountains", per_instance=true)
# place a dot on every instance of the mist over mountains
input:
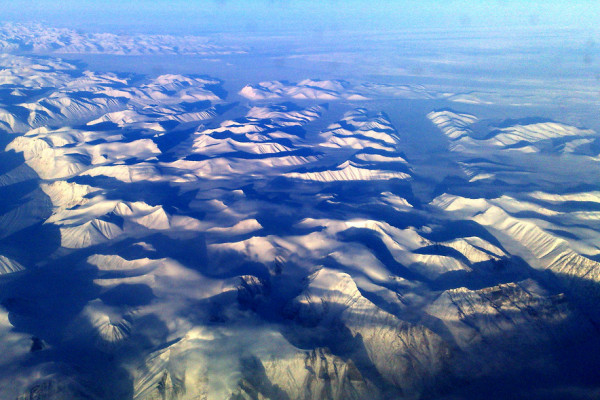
(206, 217)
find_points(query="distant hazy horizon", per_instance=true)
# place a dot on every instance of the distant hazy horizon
(188, 17)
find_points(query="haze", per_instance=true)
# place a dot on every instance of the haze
(301, 15)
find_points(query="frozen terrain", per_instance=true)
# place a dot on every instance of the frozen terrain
(191, 234)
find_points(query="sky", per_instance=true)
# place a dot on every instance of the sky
(185, 17)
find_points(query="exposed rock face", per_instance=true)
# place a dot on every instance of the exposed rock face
(312, 375)
(396, 355)
(174, 373)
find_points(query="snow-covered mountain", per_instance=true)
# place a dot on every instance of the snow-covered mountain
(38, 38)
(161, 238)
